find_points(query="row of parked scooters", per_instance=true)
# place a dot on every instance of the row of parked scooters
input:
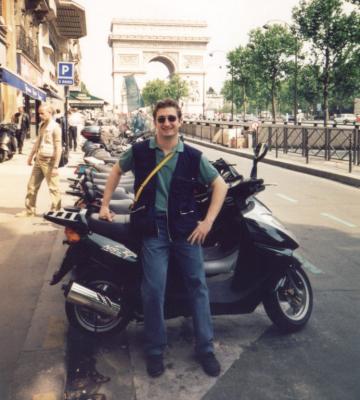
(249, 257)
(8, 142)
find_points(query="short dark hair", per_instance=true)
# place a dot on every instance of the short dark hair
(166, 103)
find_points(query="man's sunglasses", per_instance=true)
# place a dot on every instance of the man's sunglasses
(170, 118)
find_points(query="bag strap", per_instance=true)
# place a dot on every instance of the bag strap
(152, 173)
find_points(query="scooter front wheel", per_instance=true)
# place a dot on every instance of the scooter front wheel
(93, 322)
(290, 305)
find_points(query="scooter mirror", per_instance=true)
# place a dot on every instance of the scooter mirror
(257, 149)
(262, 151)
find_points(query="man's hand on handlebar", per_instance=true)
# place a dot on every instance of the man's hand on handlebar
(106, 214)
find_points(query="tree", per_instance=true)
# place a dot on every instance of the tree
(176, 88)
(154, 91)
(83, 88)
(270, 54)
(241, 70)
(334, 37)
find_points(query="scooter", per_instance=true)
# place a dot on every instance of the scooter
(249, 258)
(8, 144)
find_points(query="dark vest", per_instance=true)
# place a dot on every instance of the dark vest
(182, 212)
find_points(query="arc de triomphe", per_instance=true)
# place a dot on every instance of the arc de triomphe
(179, 45)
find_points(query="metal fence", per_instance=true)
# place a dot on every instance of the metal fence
(330, 143)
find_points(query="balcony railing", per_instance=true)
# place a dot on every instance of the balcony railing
(27, 45)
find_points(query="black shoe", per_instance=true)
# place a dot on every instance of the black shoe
(155, 365)
(209, 363)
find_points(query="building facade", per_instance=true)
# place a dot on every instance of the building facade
(37, 34)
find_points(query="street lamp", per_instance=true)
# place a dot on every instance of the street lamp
(232, 81)
(266, 26)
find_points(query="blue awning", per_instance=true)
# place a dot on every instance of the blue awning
(12, 79)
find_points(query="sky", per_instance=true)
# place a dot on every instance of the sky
(229, 23)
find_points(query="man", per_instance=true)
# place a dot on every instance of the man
(22, 121)
(74, 119)
(47, 153)
(169, 223)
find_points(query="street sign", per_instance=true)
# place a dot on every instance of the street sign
(65, 73)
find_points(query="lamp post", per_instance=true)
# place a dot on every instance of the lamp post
(266, 26)
(204, 96)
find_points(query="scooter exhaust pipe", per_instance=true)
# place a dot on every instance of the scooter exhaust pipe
(83, 296)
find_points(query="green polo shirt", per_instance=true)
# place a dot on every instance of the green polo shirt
(207, 172)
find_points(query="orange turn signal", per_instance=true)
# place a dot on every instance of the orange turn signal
(71, 235)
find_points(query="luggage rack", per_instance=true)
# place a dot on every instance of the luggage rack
(64, 218)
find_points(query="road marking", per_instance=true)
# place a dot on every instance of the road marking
(283, 196)
(308, 265)
(341, 221)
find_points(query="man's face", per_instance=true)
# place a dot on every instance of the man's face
(167, 123)
(44, 114)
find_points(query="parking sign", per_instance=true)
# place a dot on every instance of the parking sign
(65, 73)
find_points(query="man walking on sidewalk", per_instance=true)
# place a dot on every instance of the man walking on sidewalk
(22, 121)
(47, 153)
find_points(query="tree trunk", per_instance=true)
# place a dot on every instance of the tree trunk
(326, 87)
(273, 99)
(244, 102)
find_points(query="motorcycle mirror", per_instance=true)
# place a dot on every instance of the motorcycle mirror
(261, 152)
(257, 149)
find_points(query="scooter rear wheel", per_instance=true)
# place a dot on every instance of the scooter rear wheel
(290, 306)
(2, 155)
(93, 322)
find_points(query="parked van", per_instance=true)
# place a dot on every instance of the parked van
(345, 118)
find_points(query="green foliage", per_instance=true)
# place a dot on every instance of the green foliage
(154, 91)
(334, 37)
(157, 89)
(271, 50)
(84, 89)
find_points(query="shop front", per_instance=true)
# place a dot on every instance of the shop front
(32, 94)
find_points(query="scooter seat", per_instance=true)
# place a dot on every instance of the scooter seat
(117, 230)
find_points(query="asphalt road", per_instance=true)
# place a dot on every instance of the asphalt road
(319, 363)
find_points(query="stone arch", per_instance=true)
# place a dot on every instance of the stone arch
(165, 60)
(179, 45)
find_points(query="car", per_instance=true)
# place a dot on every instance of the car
(345, 118)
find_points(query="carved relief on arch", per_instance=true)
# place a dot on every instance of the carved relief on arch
(128, 59)
(193, 61)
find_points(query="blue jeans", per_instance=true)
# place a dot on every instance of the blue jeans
(155, 258)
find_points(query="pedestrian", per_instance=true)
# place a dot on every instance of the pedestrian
(165, 217)
(57, 115)
(74, 119)
(22, 121)
(46, 153)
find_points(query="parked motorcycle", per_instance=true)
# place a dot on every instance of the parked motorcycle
(8, 144)
(249, 258)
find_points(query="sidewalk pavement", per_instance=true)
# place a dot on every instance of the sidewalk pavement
(40, 368)
(40, 373)
(335, 170)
